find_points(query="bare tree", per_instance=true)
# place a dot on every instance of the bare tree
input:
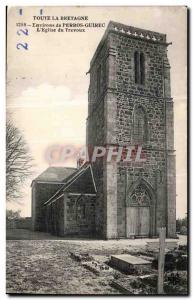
(18, 161)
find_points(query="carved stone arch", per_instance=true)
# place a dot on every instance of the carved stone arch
(141, 182)
(142, 188)
(140, 196)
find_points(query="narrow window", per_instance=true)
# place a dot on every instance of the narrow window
(142, 68)
(139, 65)
(139, 126)
(136, 61)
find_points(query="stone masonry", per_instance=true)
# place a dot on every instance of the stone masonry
(112, 109)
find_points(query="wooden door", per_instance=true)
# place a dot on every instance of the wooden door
(138, 221)
(144, 221)
(132, 223)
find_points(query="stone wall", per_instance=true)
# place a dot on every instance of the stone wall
(110, 122)
(77, 221)
(64, 216)
(55, 217)
(41, 192)
(101, 132)
(96, 132)
(20, 223)
(152, 98)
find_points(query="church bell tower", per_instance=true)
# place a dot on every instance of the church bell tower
(130, 104)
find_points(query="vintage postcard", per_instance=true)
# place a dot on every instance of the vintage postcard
(96, 150)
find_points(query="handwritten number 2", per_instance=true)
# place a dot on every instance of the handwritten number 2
(24, 31)
(22, 45)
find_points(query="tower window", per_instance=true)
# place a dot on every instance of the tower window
(139, 125)
(142, 68)
(139, 63)
(136, 60)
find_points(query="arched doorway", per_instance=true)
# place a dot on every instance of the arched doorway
(139, 212)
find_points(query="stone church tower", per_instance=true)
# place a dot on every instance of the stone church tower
(130, 104)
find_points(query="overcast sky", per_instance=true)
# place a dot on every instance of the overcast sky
(47, 84)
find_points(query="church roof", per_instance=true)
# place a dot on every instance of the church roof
(81, 181)
(55, 174)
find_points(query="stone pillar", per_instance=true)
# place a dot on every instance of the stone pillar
(170, 155)
(110, 168)
(110, 197)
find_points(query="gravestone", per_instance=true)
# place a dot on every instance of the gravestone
(129, 263)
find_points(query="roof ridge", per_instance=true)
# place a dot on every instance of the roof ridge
(58, 171)
(68, 180)
(61, 167)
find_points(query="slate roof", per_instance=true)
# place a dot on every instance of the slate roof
(55, 174)
(81, 181)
